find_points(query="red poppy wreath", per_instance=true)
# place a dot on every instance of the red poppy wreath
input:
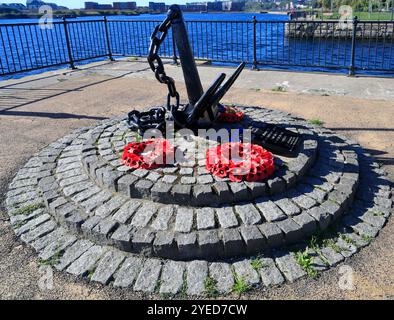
(231, 115)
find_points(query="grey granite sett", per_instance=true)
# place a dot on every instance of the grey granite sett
(204, 179)
(107, 266)
(186, 171)
(232, 242)
(248, 213)
(332, 257)
(196, 273)
(143, 215)
(272, 233)
(290, 178)
(128, 272)
(170, 179)
(121, 237)
(269, 210)
(103, 229)
(371, 218)
(153, 176)
(72, 253)
(58, 245)
(42, 218)
(255, 241)
(149, 275)
(269, 273)
(75, 219)
(160, 192)
(164, 244)
(110, 179)
(126, 211)
(126, 183)
(291, 230)
(347, 249)
(90, 223)
(142, 188)
(21, 219)
(239, 190)
(110, 206)
(183, 220)
(332, 208)
(256, 189)
(307, 223)
(322, 217)
(287, 264)
(205, 218)
(221, 273)
(302, 200)
(77, 187)
(47, 239)
(226, 217)
(365, 229)
(244, 270)
(96, 200)
(172, 277)
(86, 194)
(141, 173)
(163, 218)
(170, 170)
(210, 244)
(181, 193)
(188, 180)
(142, 241)
(287, 206)
(276, 185)
(204, 195)
(187, 244)
(38, 231)
(222, 189)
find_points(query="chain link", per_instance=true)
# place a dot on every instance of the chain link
(156, 64)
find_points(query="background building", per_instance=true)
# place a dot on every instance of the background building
(157, 6)
(125, 5)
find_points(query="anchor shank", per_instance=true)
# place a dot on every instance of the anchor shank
(190, 73)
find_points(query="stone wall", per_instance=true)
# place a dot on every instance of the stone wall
(318, 29)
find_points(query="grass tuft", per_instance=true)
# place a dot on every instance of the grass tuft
(240, 285)
(279, 89)
(27, 209)
(304, 259)
(210, 286)
(316, 122)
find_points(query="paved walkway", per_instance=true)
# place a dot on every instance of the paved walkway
(38, 109)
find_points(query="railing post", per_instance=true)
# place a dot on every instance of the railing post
(107, 39)
(254, 67)
(70, 57)
(353, 49)
(174, 57)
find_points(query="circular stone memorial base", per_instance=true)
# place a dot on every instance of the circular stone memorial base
(180, 230)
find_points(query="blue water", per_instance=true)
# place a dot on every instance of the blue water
(228, 40)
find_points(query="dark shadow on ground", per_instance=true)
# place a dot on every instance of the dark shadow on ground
(60, 115)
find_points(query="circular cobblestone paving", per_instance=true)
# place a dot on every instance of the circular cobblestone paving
(180, 230)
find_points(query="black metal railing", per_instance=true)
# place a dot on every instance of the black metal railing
(311, 45)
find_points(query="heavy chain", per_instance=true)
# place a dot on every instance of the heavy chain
(156, 64)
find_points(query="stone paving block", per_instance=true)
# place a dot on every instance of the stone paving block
(372, 218)
(172, 277)
(239, 190)
(269, 273)
(205, 218)
(183, 220)
(303, 201)
(222, 274)
(318, 263)
(253, 238)
(276, 185)
(272, 233)
(248, 214)
(196, 273)
(90, 223)
(204, 195)
(169, 179)
(205, 179)
(187, 244)
(287, 264)
(142, 188)
(141, 173)
(96, 200)
(164, 244)
(232, 242)
(181, 193)
(332, 257)
(110, 206)
(153, 176)
(365, 229)
(126, 183)
(57, 246)
(291, 230)
(287, 206)
(121, 237)
(110, 179)
(226, 217)
(39, 231)
(143, 215)
(210, 244)
(104, 228)
(322, 217)
(128, 272)
(160, 192)
(269, 210)
(21, 219)
(149, 275)
(142, 241)
(244, 270)
(163, 218)
(47, 239)
(256, 189)
(347, 249)
(42, 218)
(107, 266)
(126, 211)
(222, 189)
(86, 194)
(306, 222)
(86, 262)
